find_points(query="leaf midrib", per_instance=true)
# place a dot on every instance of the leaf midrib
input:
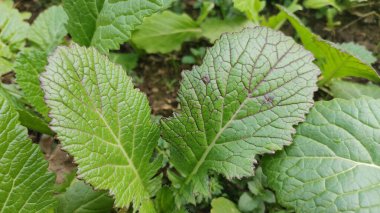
(207, 151)
(357, 163)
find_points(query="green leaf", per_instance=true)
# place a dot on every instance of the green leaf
(350, 90)
(251, 8)
(222, 205)
(317, 4)
(333, 164)
(32, 121)
(247, 203)
(104, 123)
(127, 60)
(165, 32)
(359, 51)
(12, 37)
(252, 87)
(276, 21)
(256, 186)
(26, 116)
(8, 3)
(106, 24)
(333, 61)
(68, 179)
(213, 28)
(164, 201)
(48, 30)
(205, 10)
(28, 66)
(188, 59)
(5, 65)
(81, 198)
(25, 183)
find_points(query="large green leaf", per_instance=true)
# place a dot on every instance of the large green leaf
(359, 51)
(106, 24)
(13, 32)
(49, 29)
(213, 28)
(332, 59)
(29, 64)
(104, 123)
(334, 163)
(165, 32)
(350, 90)
(81, 198)
(25, 183)
(252, 87)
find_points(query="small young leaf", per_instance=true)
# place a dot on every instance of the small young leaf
(334, 164)
(30, 120)
(25, 183)
(350, 90)
(205, 10)
(104, 123)
(333, 61)
(276, 21)
(80, 197)
(48, 30)
(106, 24)
(252, 87)
(29, 64)
(247, 203)
(222, 205)
(12, 37)
(317, 4)
(165, 32)
(251, 8)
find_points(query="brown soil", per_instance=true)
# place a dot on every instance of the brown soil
(60, 162)
(161, 75)
(34, 6)
(160, 81)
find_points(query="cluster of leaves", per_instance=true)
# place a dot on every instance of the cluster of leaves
(165, 32)
(244, 101)
(330, 8)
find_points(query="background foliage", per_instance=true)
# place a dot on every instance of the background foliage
(189, 106)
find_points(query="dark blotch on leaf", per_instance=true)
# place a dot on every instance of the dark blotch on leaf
(206, 79)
